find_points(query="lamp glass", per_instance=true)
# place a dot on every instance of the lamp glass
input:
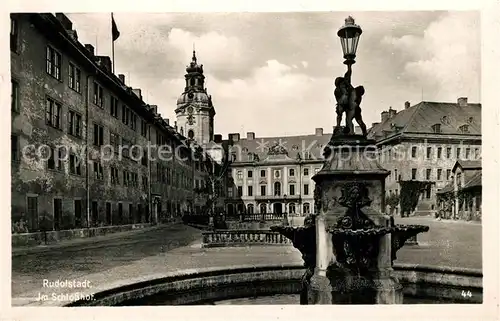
(349, 40)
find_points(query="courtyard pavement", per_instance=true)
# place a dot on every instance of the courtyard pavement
(178, 247)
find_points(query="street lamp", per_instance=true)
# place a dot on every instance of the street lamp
(285, 216)
(349, 35)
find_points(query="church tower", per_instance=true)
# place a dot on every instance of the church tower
(195, 112)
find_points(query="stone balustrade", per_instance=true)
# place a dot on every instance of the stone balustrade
(243, 238)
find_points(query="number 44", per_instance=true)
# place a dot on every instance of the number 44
(466, 294)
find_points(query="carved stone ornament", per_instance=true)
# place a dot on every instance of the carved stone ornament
(277, 149)
(354, 197)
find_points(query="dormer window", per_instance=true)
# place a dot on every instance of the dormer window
(244, 150)
(445, 120)
(470, 120)
(436, 128)
(464, 129)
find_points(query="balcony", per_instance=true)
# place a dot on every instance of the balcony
(289, 198)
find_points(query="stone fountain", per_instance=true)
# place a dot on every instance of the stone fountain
(349, 245)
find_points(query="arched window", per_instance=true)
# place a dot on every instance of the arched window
(291, 208)
(464, 129)
(277, 188)
(190, 134)
(193, 81)
(250, 208)
(240, 208)
(306, 208)
(263, 208)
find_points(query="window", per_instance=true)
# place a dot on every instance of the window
(133, 121)
(98, 135)
(413, 173)
(75, 167)
(98, 171)
(250, 190)
(306, 208)
(144, 128)
(98, 95)
(448, 152)
(114, 176)
(250, 174)
(125, 147)
(459, 153)
(429, 152)
(306, 171)
(125, 115)
(13, 34)
(263, 208)
(230, 192)
(306, 189)
(126, 178)
(53, 113)
(53, 63)
(439, 152)
(291, 189)
(277, 189)
(130, 212)
(14, 147)
(291, 172)
(448, 174)
(32, 207)
(54, 161)
(145, 182)
(144, 158)
(476, 153)
(74, 123)
(57, 213)
(439, 174)
(262, 190)
(239, 175)
(262, 173)
(108, 213)
(250, 209)
(291, 208)
(464, 129)
(114, 140)
(436, 128)
(277, 173)
(414, 152)
(14, 96)
(395, 174)
(428, 174)
(114, 107)
(467, 153)
(74, 78)
(240, 191)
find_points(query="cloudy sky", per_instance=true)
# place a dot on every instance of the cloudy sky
(272, 73)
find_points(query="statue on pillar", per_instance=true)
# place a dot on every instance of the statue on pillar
(348, 102)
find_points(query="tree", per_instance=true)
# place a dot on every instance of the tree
(410, 194)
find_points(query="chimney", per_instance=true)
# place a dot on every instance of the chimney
(218, 138)
(384, 116)
(64, 20)
(250, 136)
(392, 112)
(122, 78)
(235, 137)
(137, 92)
(89, 48)
(407, 104)
(105, 62)
(462, 101)
(319, 131)
(154, 109)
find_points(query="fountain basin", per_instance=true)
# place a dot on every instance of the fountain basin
(421, 284)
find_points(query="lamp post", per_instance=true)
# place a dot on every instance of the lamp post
(285, 216)
(349, 35)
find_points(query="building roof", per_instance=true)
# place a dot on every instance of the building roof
(475, 181)
(421, 118)
(281, 148)
(448, 188)
(467, 165)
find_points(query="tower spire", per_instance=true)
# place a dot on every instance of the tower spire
(194, 53)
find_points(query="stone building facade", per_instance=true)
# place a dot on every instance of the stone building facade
(423, 142)
(73, 127)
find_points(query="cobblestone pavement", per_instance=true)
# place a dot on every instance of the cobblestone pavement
(178, 247)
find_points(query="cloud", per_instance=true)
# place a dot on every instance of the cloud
(305, 64)
(445, 60)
